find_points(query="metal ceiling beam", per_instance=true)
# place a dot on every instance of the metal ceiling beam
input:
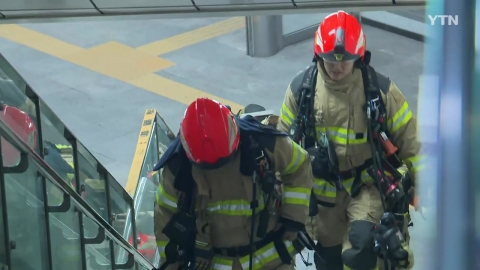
(41, 10)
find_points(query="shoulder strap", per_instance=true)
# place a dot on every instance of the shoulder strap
(383, 83)
(304, 80)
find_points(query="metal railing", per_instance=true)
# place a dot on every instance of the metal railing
(158, 137)
(59, 154)
(46, 171)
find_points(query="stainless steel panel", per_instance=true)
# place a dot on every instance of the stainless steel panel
(141, 4)
(39, 14)
(240, 3)
(363, 5)
(18, 5)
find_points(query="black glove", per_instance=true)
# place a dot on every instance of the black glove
(319, 159)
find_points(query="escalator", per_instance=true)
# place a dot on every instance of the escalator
(154, 138)
(59, 207)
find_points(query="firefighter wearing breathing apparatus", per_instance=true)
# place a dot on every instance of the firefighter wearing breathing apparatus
(219, 204)
(357, 124)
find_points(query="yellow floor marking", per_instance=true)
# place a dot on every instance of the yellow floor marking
(195, 36)
(38, 41)
(118, 61)
(130, 65)
(177, 91)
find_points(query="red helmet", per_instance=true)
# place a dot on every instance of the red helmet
(339, 38)
(209, 133)
(23, 126)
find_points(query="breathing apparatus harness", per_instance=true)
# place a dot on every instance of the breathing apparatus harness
(388, 234)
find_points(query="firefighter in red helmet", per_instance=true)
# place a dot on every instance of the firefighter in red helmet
(340, 109)
(218, 204)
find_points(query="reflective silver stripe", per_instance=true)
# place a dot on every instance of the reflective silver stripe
(296, 195)
(325, 187)
(163, 197)
(222, 264)
(218, 266)
(229, 207)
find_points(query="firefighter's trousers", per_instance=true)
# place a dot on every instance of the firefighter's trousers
(345, 232)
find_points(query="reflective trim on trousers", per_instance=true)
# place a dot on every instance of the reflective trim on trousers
(327, 192)
(264, 255)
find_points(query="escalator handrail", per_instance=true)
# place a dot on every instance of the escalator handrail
(138, 199)
(83, 206)
(59, 224)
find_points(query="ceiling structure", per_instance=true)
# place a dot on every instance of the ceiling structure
(38, 10)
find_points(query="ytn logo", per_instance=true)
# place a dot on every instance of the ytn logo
(444, 19)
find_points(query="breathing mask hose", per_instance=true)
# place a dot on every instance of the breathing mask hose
(376, 165)
(375, 158)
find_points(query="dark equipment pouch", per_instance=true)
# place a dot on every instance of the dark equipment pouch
(180, 227)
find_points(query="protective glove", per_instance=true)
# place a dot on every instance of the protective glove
(320, 164)
(203, 249)
(203, 255)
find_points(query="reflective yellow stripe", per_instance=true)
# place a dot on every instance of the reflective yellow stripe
(161, 248)
(299, 156)
(264, 255)
(286, 115)
(400, 118)
(347, 184)
(342, 135)
(222, 264)
(234, 207)
(296, 195)
(63, 146)
(165, 200)
(322, 187)
(418, 162)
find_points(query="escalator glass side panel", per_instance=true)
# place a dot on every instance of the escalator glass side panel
(25, 204)
(65, 234)
(38, 230)
(160, 137)
(4, 251)
(92, 183)
(52, 140)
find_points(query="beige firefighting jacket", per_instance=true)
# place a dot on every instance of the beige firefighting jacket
(224, 197)
(341, 105)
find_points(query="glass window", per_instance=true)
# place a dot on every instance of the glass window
(26, 217)
(19, 116)
(292, 23)
(98, 256)
(3, 231)
(91, 182)
(121, 204)
(13, 88)
(10, 74)
(64, 231)
(58, 152)
(475, 120)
